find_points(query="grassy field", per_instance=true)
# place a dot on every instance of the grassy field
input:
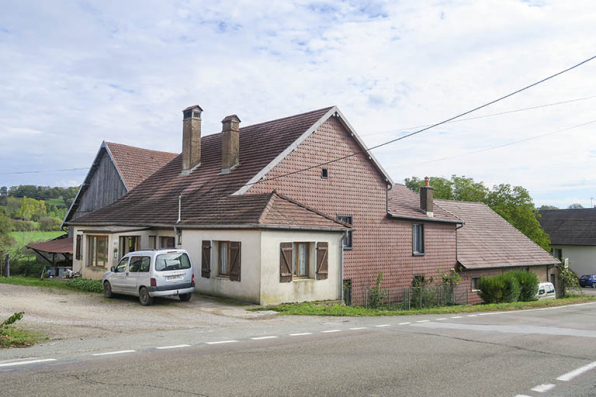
(58, 202)
(322, 309)
(24, 238)
(77, 284)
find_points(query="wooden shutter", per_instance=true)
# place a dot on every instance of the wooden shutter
(206, 259)
(78, 250)
(235, 260)
(285, 263)
(322, 261)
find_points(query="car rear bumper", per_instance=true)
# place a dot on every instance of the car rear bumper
(174, 289)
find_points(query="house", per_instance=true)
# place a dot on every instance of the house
(115, 171)
(487, 245)
(273, 195)
(573, 235)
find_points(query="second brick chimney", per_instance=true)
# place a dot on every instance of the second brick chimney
(191, 137)
(230, 143)
(426, 198)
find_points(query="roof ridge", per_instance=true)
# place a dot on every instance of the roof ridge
(141, 148)
(267, 208)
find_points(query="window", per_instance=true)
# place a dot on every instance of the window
(418, 239)
(97, 255)
(174, 261)
(224, 258)
(475, 283)
(152, 242)
(121, 268)
(557, 253)
(167, 242)
(300, 254)
(324, 173)
(79, 243)
(347, 242)
(139, 264)
(128, 244)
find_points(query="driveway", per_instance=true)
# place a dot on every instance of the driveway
(60, 314)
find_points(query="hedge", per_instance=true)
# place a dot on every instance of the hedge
(511, 286)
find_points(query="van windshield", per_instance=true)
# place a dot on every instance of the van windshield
(175, 261)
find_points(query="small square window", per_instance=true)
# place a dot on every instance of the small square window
(475, 283)
(324, 173)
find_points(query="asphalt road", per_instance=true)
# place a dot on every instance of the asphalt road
(552, 351)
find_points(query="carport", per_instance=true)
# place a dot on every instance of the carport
(57, 253)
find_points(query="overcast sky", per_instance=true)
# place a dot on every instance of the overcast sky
(75, 73)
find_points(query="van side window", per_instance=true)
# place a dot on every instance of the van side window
(139, 264)
(145, 264)
(121, 268)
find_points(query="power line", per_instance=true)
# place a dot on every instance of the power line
(485, 116)
(509, 143)
(40, 171)
(429, 127)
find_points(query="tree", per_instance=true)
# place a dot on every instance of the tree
(3, 191)
(575, 206)
(32, 209)
(547, 207)
(5, 238)
(513, 203)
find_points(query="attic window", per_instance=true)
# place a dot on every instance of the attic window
(324, 173)
(196, 114)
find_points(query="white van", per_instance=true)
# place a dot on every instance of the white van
(151, 273)
(546, 291)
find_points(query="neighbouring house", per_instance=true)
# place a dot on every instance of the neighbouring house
(115, 171)
(572, 235)
(333, 223)
(487, 245)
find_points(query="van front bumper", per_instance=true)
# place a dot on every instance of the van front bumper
(172, 290)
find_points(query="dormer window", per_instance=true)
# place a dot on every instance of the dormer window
(324, 173)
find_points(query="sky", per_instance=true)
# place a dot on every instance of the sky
(76, 73)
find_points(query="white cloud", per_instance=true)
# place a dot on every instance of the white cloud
(86, 72)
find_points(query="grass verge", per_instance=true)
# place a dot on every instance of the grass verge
(323, 309)
(16, 337)
(77, 284)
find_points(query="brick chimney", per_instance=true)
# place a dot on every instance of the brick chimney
(426, 198)
(191, 137)
(230, 143)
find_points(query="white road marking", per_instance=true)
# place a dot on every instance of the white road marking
(116, 352)
(457, 317)
(577, 372)
(422, 321)
(357, 328)
(383, 325)
(522, 395)
(264, 337)
(441, 319)
(472, 315)
(331, 330)
(171, 347)
(221, 341)
(543, 388)
(406, 323)
(301, 333)
(27, 362)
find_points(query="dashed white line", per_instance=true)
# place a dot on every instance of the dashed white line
(357, 328)
(406, 323)
(522, 395)
(577, 372)
(472, 315)
(264, 337)
(457, 317)
(543, 388)
(301, 334)
(329, 331)
(422, 321)
(219, 342)
(441, 319)
(116, 352)
(383, 325)
(171, 347)
(26, 362)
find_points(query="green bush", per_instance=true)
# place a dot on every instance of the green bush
(26, 268)
(23, 226)
(491, 289)
(376, 294)
(48, 224)
(528, 284)
(512, 289)
(83, 284)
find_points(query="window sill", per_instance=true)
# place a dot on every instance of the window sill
(301, 279)
(348, 248)
(418, 254)
(475, 290)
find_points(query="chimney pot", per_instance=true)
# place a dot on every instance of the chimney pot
(426, 198)
(191, 137)
(230, 143)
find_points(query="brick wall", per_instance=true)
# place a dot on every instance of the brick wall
(354, 187)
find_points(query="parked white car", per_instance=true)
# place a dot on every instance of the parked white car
(546, 291)
(151, 273)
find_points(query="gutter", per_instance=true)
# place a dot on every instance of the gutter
(247, 226)
(413, 218)
(496, 267)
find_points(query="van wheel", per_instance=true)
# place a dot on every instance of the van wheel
(144, 297)
(185, 297)
(107, 290)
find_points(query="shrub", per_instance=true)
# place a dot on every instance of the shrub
(511, 288)
(48, 224)
(376, 294)
(528, 284)
(83, 284)
(23, 226)
(26, 268)
(491, 289)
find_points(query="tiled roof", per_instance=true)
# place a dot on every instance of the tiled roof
(136, 164)
(206, 193)
(570, 227)
(489, 241)
(58, 246)
(405, 203)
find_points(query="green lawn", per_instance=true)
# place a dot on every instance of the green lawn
(23, 238)
(322, 309)
(58, 202)
(77, 284)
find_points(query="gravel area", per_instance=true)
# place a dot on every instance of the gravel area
(59, 314)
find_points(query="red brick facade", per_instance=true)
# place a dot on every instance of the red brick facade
(355, 187)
